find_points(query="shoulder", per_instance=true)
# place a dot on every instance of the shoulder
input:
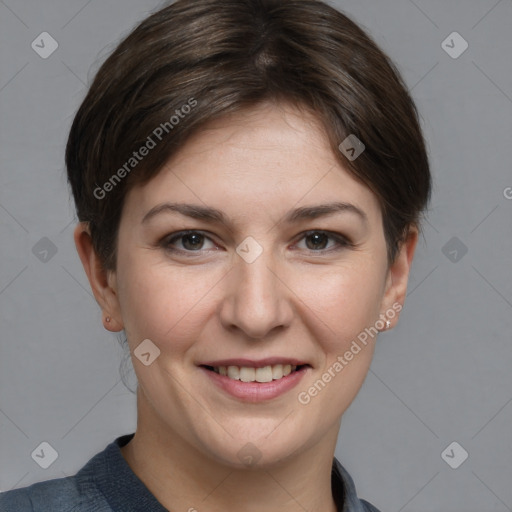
(58, 495)
(77, 493)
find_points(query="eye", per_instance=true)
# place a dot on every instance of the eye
(319, 240)
(194, 242)
(191, 241)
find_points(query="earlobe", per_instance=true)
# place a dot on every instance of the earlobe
(104, 293)
(111, 324)
(398, 276)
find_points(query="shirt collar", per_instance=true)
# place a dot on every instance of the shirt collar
(342, 484)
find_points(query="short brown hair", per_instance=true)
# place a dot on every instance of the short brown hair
(223, 56)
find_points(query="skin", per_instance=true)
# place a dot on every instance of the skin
(297, 299)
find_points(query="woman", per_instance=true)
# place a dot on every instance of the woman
(249, 177)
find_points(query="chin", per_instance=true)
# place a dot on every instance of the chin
(260, 447)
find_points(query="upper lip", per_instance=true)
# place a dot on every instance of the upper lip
(254, 363)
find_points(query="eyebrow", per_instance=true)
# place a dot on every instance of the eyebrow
(213, 215)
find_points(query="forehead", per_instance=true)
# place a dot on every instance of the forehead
(281, 129)
(271, 156)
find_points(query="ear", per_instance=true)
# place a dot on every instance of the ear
(103, 283)
(398, 275)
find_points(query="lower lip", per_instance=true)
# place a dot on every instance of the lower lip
(256, 391)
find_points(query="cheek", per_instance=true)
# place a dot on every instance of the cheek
(165, 304)
(345, 300)
(345, 305)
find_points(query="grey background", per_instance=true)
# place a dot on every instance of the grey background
(442, 375)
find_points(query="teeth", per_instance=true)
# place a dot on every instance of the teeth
(247, 374)
(277, 371)
(264, 374)
(233, 372)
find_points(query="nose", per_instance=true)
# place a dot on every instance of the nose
(257, 300)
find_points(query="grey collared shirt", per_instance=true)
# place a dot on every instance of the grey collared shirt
(107, 484)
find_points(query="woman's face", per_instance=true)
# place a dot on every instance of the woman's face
(276, 281)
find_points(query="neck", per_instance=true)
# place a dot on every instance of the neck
(182, 478)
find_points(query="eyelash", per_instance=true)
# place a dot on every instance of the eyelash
(166, 242)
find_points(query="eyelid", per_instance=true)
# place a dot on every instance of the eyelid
(342, 241)
(166, 240)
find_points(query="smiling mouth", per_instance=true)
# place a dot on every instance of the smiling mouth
(251, 374)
